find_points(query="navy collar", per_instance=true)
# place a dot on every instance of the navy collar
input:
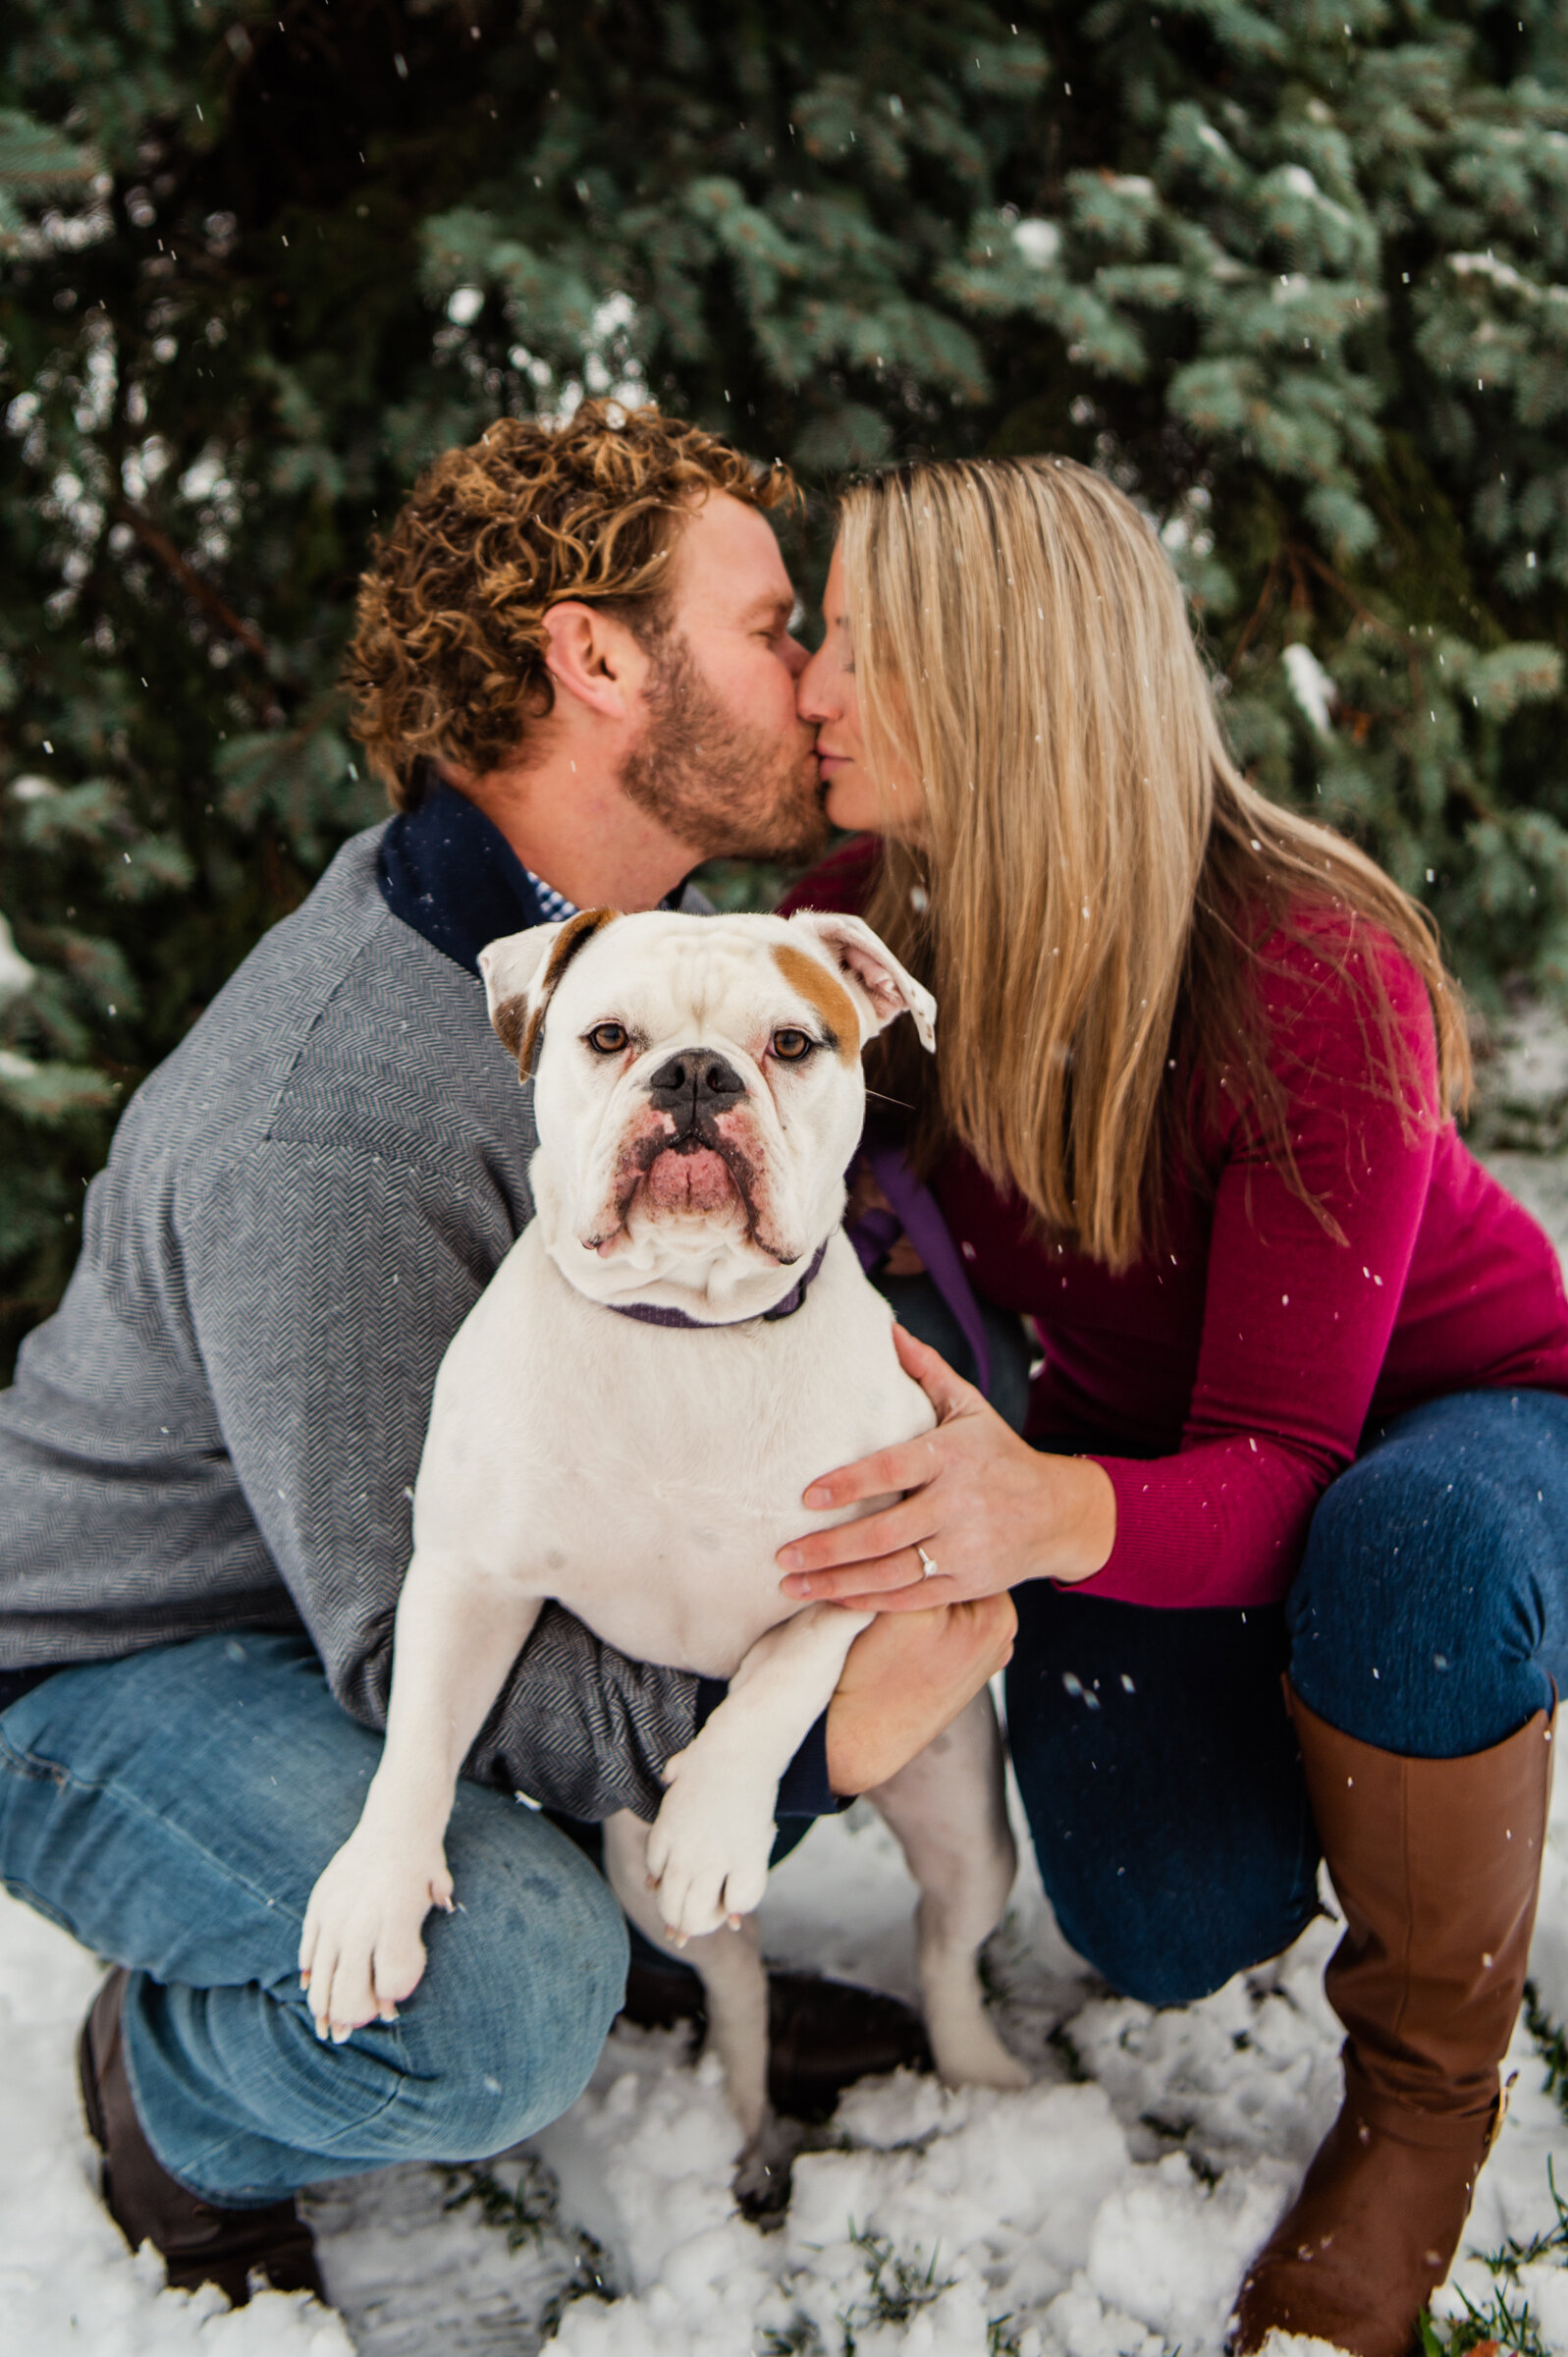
(652, 1315)
(447, 871)
(453, 877)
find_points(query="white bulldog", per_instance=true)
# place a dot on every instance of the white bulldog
(698, 1097)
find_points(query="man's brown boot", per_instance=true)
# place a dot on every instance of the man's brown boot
(1436, 1865)
(822, 2034)
(199, 2242)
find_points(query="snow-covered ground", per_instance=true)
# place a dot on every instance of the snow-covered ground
(1108, 2210)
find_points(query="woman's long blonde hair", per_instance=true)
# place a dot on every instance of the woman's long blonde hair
(1094, 875)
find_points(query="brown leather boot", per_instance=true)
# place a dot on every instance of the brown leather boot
(824, 2035)
(199, 2242)
(1437, 1864)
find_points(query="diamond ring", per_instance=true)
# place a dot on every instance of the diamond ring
(928, 1565)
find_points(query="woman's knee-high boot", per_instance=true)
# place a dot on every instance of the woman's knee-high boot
(1437, 1864)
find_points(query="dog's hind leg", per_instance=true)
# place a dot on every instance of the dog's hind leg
(949, 1810)
(734, 1986)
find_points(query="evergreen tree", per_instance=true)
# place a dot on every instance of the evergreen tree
(1295, 275)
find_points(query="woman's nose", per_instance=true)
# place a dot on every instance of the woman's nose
(811, 700)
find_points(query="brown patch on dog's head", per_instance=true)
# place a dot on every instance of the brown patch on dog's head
(512, 1019)
(510, 1023)
(827, 994)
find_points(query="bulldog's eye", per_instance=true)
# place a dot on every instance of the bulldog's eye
(608, 1039)
(791, 1046)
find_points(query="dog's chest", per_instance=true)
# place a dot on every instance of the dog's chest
(645, 1476)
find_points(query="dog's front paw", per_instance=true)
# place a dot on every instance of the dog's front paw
(709, 1848)
(359, 1950)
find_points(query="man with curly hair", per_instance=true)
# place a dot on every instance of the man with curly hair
(573, 668)
(592, 627)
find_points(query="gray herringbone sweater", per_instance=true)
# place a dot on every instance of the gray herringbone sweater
(222, 1424)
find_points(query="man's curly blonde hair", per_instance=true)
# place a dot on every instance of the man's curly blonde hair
(448, 657)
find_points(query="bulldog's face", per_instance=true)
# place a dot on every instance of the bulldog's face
(697, 1092)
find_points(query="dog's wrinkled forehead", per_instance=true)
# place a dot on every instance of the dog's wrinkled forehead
(702, 975)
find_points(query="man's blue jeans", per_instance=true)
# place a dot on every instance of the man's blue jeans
(1154, 1754)
(173, 1810)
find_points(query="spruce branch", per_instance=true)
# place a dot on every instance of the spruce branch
(158, 545)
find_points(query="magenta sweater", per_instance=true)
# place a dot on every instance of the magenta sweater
(1225, 1380)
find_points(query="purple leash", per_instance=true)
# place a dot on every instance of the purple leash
(913, 1208)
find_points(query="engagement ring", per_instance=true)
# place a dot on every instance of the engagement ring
(928, 1565)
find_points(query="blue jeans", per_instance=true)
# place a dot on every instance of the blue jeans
(173, 1811)
(1154, 1754)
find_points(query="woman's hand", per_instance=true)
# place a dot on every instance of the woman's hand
(987, 1508)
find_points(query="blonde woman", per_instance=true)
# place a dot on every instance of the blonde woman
(1302, 1403)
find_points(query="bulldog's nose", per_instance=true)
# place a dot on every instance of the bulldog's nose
(695, 1080)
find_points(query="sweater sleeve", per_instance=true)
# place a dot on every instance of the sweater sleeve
(323, 1282)
(1296, 1321)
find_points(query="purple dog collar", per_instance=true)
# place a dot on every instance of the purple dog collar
(651, 1315)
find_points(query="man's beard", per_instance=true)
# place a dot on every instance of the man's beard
(731, 790)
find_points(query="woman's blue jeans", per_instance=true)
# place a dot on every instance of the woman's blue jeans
(173, 1810)
(1154, 1754)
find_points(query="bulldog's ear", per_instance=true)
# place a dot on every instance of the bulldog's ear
(521, 972)
(886, 987)
(510, 967)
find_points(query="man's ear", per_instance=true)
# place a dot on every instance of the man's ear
(521, 972)
(878, 982)
(594, 658)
